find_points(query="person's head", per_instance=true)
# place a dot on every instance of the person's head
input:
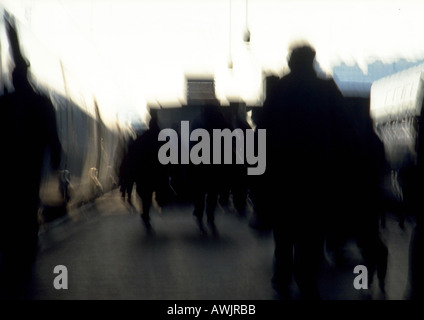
(20, 70)
(301, 58)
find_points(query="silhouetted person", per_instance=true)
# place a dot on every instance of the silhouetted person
(208, 179)
(65, 186)
(239, 183)
(416, 249)
(258, 194)
(368, 204)
(126, 180)
(28, 130)
(144, 167)
(301, 116)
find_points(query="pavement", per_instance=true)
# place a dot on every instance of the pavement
(109, 255)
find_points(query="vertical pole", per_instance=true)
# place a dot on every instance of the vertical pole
(230, 61)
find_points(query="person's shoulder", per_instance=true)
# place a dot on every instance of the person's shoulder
(42, 101)
(279, 87)
(146, 137)
(284, 80)
(329, 85)
(140, 138)
(327, 81)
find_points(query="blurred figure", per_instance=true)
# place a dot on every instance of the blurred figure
(145, 169)
(65, 186)
(96, 185)
(301, 115)
(28, 129)
(239, 179)
(260, 220)
(208, 180)
(126, 181)
(367, 203)
(360, 196)
(416, 247)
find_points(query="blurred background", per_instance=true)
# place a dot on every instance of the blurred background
(107, 66)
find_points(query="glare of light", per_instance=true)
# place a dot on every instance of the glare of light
(131, 53)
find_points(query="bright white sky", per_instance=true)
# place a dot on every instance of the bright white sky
(129, 53)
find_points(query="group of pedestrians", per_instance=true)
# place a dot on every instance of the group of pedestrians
(320, 173)
(322, 183)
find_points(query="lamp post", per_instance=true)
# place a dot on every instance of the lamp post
(246, 36)
(230, 58)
